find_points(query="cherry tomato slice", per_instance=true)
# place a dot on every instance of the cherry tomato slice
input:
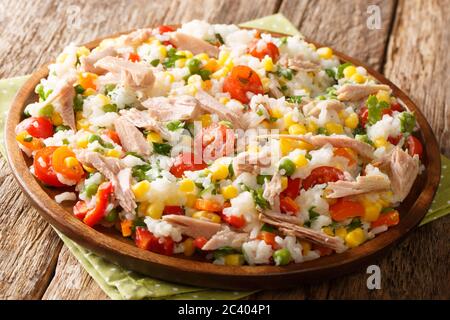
(395, 140)
(80, 209)
(143, 238)
(43, 168)
(241, 80)
(185, 162)
(344, 209)
(38, 127)
(73, 171)
(321, 175)
(414, 146)
(269, 49)
(397, 107)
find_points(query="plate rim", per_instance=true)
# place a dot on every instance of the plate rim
(202, 273)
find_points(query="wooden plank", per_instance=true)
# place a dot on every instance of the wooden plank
(116, 16)
(28, 245)
(333, 23)
(343, 25)
(418, 61)
(71, 281)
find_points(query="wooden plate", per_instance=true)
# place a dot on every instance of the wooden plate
(188, 271)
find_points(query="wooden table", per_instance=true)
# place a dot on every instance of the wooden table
(410, 48)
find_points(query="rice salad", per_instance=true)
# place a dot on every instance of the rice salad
(227, 143)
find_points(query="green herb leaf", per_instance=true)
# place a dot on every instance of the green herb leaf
(331, 73)
(78, 103)
(356, 223)
(162, 148)
(294, 99)
(407, 122)
(175, 125)
(223, 251)
(285, 73)
(138, 172)
(219, 38)
(313, 215)
(155, 62)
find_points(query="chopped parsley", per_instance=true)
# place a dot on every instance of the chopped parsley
(313, 215)
(175, 125)
(294, 99)
(356, 223)
(375, 109)
(340, 70)
(155, 62)
(162, 148)
(407, 122)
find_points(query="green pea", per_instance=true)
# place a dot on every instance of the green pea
(112, 216)
(94, 137)
(46, 111)
(110, 108)
(91, 189)
(109, 87)
(288, 166)
(79, 89)
(282, 257)
(194, 66)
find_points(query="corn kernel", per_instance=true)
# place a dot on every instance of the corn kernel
(83, 124)
(140, 190)
(325, 52)
(268, 64)
(380, 142)
(155, 210)
(297, 129)
(229, 192)
(300, 161)
(306, 247)
(206, 120)
(349, 71)
(341, 114)
(113, 153)
(328, 231)
(202, 56)
(162, 52)
(234, 259)
(180, 63)
(189, 247)
(355, 237)
(341, 232)
(305, 145)
(383, 95)
(186, 185)
(186, 53)
(334, 128)
(79, 115)
(89, 92)
(288, 121)
(224, 100)
(206, 215)
(88, 169)
(154, 137)
(286, 146)
(223, 56)
(56, 119)
(276, 113)
(104, 99)
(82, 142)
(358, 78)
(372, 210)
(190, 200)
(352, 121)
(70, 162)
(284, 183)
(219, 172)
(312, 127)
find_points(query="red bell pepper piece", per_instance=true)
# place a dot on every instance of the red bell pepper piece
(95, 215)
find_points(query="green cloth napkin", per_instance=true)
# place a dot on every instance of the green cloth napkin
(119, 283)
